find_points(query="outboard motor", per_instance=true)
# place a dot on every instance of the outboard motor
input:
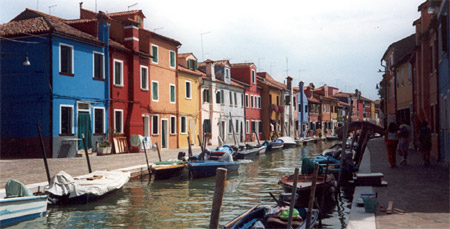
(182, 156)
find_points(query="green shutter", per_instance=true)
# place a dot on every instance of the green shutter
(189, 64)
(155, 53)
(195, 65)
(155, 90)
(172, 59)
(172, 94)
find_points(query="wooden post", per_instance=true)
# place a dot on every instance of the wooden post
(44, 154)
(200, 142)
(232, 128)
(257, 139)
(344, 142)
(189, 144)
(221, 175)
(159, 153)
(312, 196)
(146, 158)
(293, 199)
(86, 152)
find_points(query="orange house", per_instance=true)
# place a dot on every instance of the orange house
(163, 88)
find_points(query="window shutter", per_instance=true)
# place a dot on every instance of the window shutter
(195, 65)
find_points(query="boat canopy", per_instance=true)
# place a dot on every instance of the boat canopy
(14, 188)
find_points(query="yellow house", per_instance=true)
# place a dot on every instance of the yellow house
(403, 79)
(188, 93)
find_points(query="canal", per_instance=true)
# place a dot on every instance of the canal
(183, 203)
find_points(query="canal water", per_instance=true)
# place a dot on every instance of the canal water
(186, 203)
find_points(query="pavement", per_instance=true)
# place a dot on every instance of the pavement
(421, 192)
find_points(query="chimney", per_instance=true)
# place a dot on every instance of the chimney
(325, 87)
(103, 27)
(210, 70)
(131, 35)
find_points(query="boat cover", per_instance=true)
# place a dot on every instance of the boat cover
(14, 188)
(96, 183)
(287, 140)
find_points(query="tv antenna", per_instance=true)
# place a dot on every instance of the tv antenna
(201, 38)
(50, 9)
(132, 5)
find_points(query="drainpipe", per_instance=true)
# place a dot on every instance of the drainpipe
(50, 42)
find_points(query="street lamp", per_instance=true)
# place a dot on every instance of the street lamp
(26, 62)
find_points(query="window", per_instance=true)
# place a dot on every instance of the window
(253, 77)
(118, 73)
(188, 90)
(173, 125)
(222, 96)
(300, 107)
(231, 98)
(155, 54)
(247, 127)
(409, 73)
(99, 120)
(66, 59)
(144, 77)
(235, 99)
(246, 100)
(218, 99)
(66, 119)
(306, 108)
(192, 64)
(183, 124)
(98, 66)
(172, 59)
(227, 73)
(118, 121)
(253, 127)
(206, 98)
(403, 77)
(260, 127)
(155, 92)
(295, 104)
(207, 126)
(230, 127)
(242, 100)
(172, 93)
(155, 127)
(259, 102)
(237, 126)
(251, 101)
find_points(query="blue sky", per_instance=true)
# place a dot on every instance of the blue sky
(339, 43)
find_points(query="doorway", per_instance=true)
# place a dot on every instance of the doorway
(146, 126)
(192, 131)
(164, 134)
(84, 129)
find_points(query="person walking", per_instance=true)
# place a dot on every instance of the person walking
(391, 143)
(403, 142)
(425, 142)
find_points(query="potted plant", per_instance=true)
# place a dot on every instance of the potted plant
(104, 147)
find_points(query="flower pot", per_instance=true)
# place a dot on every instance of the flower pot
(104, 150)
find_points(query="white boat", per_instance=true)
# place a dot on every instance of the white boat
(64, 189)
(288, 142)
(21, 208)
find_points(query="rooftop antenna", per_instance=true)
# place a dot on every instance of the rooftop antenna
(259, 59)
(201, 37)
(50, 8)
(271, 64)
(96, 6)
(132, 5)
(154, 30)
(287, 65)
(37, 5)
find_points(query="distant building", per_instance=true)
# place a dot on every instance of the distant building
(272, 110)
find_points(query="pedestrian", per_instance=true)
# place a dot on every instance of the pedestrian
(425, 142)
(391, 143)
(403, 142)
(319, 133)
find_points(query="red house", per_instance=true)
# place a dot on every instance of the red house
(246, 72)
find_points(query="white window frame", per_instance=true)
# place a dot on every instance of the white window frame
(181, 124)
(152, 124)
(157, 54)
(115, 128)
(175, 93)
(175, 130)
(190, 89)
(247, 127)
(104, 117)
(73, 54)
(174, 59)
(253, 76)
(246, 102)
(93, 64)
(146, 77)
(60, 117)
(252, 103)
(157, 82)
(121, 73)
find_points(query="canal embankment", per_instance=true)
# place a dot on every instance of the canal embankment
(421, 192)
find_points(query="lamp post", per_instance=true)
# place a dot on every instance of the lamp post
(26, 61)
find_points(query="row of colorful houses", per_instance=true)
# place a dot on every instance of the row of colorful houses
(416, 78)
(105, 76)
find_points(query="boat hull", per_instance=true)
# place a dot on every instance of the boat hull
(250, 153)
(166, 172)
(289, 145)
(14, 210)
(208, 168)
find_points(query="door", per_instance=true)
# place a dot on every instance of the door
(146, 126)
(84, 128)
(192, 131)
(164, 132)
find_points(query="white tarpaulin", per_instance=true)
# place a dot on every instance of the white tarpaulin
(95, 183)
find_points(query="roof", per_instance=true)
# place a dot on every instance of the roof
(343, 94)
(77, 21)
(365, 99)
(118, 45)
(313, 100)
(189, 71)
(271, 81)
(153, 34)
(240, 82)
(125, 13)
(241, 65)
(34, 22)
(328, 98)
(343, 103)
(401, 47)
(184, 55)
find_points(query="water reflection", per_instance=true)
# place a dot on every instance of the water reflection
(183, 203)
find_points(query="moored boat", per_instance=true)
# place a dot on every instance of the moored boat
(324, 186)
(65, 189)
(207, 168)
(249, 152)
(167, 169)
(274, 145)
(20, 204)
(288, 142)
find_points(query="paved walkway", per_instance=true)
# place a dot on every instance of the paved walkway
(30, 171)
(422, 192)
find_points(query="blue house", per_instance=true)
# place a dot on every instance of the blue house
(64, 88)
(302, 111)
(444, 80)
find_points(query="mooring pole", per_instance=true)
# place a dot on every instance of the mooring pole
(44, 154)
(293, 199)
(200, 142)
(146, 158)
(189, 144)
(86, 152)
(159, 153)
(219, 190)
(312, 196)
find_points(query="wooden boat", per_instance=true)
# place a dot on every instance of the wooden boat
(304, 185)
(288, 142)
(260, 216)
(300, 141)
(20, 206)
(167, 169)
(206, 163)
(249, 152)
(310, 140)
(332, 137)
(274, 146)
(64, 189)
